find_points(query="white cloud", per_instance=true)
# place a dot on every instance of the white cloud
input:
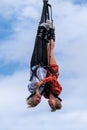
(11, 89)
(18, 45)
(8, 8)
(15, 115)
(17, 48)
(70, 21)
(71, 37)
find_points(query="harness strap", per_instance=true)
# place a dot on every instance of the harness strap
(34, 71)
(31, 95)
(52, 72)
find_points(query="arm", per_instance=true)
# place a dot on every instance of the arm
(45, 80)
(48, 79)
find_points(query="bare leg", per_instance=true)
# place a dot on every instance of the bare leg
(51, 57)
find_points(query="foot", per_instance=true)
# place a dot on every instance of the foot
(47, 25)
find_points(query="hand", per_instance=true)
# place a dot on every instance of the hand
(52, 104)
(38, 84)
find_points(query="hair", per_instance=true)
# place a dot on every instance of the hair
(58, 104)
(30, 102)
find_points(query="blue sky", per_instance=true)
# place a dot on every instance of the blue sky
(18, 26)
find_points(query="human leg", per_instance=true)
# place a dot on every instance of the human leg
(40, 49)
(50, 52)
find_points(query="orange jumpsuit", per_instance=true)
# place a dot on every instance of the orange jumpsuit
(52, 79)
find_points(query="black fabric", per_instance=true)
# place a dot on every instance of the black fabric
(45, 12)
(51, 71)
(52, 33)
(39, 55)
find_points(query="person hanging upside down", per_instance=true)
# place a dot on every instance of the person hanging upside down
(46, 76)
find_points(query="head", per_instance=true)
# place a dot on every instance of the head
(34, 100)
(54, 104)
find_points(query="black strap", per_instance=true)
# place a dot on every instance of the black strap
(52, 71)
(57, 97)
(34, 72)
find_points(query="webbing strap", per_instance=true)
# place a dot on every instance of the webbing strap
(34, 73)
(52, 72)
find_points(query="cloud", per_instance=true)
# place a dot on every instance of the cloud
(70, 50)
(71, 21)
(11, 8)
(71, 37)
(23, 28)
(15, 114)
(17, 48)
(10, 88)
(78, 2)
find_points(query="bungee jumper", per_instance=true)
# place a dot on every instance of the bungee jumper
(44, 69)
